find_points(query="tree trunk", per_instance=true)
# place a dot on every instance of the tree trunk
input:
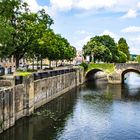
(37, 63)
(33, 64)
(50, 64)
(41, 63)
(56, 63)
(16, 62)
(62, 62)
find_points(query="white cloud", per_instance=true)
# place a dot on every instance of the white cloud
(136, 40)
(90, 4)
(82, 42)
(130, 14)
(113, 35)
(83, 32)
(134, 44)
(65, 5)
(131, 29)
(34, 6)
(134, 50)
(62, 5)
(138, 5)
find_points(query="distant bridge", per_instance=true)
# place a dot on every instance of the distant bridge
(117, 73)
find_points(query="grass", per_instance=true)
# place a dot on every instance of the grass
(107, 67)
(23, 73)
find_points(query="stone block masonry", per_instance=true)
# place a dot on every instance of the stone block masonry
(30, 93)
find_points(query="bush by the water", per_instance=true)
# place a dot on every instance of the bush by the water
(84, 65)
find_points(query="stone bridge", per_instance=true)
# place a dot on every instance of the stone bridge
(120, 69)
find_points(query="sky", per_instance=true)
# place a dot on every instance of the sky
(79, 20)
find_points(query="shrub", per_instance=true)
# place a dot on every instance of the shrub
(84, 65)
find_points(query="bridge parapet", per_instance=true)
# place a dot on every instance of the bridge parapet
(115, 72)
(127, 65)
(121, 69)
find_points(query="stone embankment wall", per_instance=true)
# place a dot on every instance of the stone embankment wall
(30, 93)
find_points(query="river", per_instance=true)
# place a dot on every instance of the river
(93, 111)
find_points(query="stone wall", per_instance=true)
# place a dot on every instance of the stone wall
(30, 93)
(7, 109)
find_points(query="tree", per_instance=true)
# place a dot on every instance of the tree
(27, 27)
(102, 48)
(102, 53)
(123, 46)
(5, 31)
(70, 53)
(122, 57)
(55, 47)
(88, 48)
(109, 42)
(138, 58)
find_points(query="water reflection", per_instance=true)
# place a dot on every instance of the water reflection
(96, 110)
(132, 78)
(41, 127)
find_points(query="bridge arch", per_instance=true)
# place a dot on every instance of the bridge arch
(90, 75)
(127, 71)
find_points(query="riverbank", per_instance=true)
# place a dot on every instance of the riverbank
(31, 92)
(91, 111)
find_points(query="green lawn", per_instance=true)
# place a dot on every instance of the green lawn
(23, 73)
(107, 67)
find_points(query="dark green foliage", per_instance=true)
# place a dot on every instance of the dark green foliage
(138, 58)
(101, 48)
(24, 34)
(84, 65)
(123, 46)
(122, 57)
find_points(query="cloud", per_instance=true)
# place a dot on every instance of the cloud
(138, 4)
(134, 50)
(65, 5)
(134, 43)
(82, 42)
(113, 35)
(131, 29)
(90, 4)
(136, 39)
(83, 32)
(34, 6)
(130, 14)
(62, 5)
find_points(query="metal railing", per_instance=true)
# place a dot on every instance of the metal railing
(52, 73)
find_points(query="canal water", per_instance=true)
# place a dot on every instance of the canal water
(93, 111)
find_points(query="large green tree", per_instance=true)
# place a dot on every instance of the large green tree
(55, 47)
(122, 57)
(103, 48)
(26, 27)
(89, 47)
(138, 58)
(109, 42)
(123, 46)
(102, 53)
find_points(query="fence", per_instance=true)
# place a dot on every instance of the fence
(41, 75)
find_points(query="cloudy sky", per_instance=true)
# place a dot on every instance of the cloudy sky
(79, 20)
